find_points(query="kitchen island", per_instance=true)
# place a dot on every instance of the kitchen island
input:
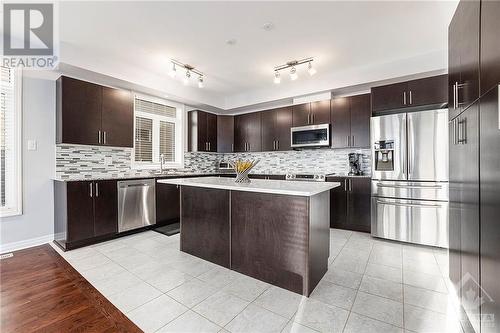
(273, 230)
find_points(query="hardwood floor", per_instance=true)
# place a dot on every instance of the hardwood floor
(41, 292)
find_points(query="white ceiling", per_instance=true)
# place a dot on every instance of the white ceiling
(353, 42)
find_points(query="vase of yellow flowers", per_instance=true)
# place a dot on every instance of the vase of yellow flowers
(242, 169)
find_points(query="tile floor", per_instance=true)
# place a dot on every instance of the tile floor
(371, 286)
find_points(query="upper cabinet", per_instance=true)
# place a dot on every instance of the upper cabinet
(350, 119)
(490, 45)
(314, 113)
(414, 94)
(247, 132)
(91, 114)
(225, 134)
(276, 126)
(463, 56)
(202, 131)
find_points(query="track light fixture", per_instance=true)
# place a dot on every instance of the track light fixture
(293, 69)
(189, 69)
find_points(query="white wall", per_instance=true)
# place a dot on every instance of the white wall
(36, 224)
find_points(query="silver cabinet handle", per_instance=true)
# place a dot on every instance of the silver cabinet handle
(90, 185)
(308, 117)
(408, 204)
(209, 146)
(410, 186)
(96, 189)
(454, 95)
(462, 131)
(345, 184)
(312, 118)
(353, 144)
(232, 147)
(248, 146)
(104, 137)
(404, 97)
(99, 136)
(411, 99)
(277, 144)
(350, 185)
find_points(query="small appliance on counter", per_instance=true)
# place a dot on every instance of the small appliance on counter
(224, 165)
(355, 164)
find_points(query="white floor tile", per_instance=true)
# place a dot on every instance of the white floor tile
(192, 292)
(280, 301)
(221, 308)
(384, 288)
(133, 297)
(428, 299)
(379, 308)
(294, 327)
(350, 264)
(256, 319)
(246, 288)
(117, 283)
(103, 272)
(421, 266)
(333, 294)
(424, 321)
(321, 317)
(194, 266)
(426, 281)
(360, 324)
(219, 277)
(190, 322)
(389, 273)
(156, 313)
(392, 260)
(168, 280)
(87, 263)
(343, 278)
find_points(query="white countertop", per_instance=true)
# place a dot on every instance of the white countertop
(299, 188)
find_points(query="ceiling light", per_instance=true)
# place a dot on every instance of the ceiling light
(277, 77)
(186, 78)
(173, 71)
(231, 42)
(293, 74)
(268, 26)
(311, 69)
(200, 82)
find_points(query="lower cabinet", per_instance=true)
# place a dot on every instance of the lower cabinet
(167, 204)
(84, 211)
(350, 203)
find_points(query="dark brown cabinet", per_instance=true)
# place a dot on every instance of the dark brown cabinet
(490, 209)
(490, 45)
(167, 204)
(276, 126)
(202, 131)
(350, 119)
(247, 132)
(463, 57)
(314, 113)
(225, 134)
(415, 94)
(350, 203)
(91, 114)
(84, 210)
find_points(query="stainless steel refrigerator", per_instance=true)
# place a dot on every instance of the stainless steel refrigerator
(410, 177)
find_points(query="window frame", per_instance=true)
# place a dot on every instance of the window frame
(179, 134)
(18, 149)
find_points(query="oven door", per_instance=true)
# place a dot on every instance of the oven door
(310, 136)
(415, 221)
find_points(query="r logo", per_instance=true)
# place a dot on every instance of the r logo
(28, 29)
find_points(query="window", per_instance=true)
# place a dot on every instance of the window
(10, 143)
(158, 132)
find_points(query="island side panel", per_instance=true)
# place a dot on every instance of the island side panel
(205, 224)
(319, 238)
(269, 238)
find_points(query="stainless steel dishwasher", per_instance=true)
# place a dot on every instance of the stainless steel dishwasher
(136, 204)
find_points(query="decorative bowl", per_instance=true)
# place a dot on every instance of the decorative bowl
(242, 169)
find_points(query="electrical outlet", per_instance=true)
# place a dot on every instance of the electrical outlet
(32, 145)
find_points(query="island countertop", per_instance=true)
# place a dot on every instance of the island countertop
(298, 188)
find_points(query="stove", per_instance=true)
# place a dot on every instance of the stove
(306, 177)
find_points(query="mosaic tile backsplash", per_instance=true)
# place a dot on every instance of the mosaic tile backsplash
(88, 162)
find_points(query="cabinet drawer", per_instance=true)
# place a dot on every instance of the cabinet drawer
(411, 190)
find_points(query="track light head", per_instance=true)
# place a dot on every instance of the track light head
(277, 77)
(310, 69)
(173, 71)
(293, 73)
(200, 82)
(186, 78)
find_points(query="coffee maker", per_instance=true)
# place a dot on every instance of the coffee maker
(355, 164)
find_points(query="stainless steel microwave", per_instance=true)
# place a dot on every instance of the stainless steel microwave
(310, 136)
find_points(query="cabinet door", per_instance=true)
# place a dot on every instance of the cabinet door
(276, 177)
(469, 26)
(360, 120)
(225, 134)
(301, 114)
(428, 91)
(454, 39)
(389, 97)
(283, 126)
(490, 45)
(167, 204)
(341, 122)
(269, 130)
(106, 207)
(201, 128)
(117, 117)
(358, 204)
(80, 203)
(338, 203)
(490, 210)
(212, 132)
(239, 133)
(78, 111)
(468, 130)
(253, 125)
(320, 112)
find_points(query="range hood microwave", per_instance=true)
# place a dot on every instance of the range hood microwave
(310, 136)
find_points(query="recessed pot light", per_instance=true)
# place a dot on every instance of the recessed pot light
(268, 26)
(231, 42)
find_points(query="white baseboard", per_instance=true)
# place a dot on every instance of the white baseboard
(14, 246)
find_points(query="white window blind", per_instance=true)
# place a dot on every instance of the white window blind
(10, 143)
(157, 133)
